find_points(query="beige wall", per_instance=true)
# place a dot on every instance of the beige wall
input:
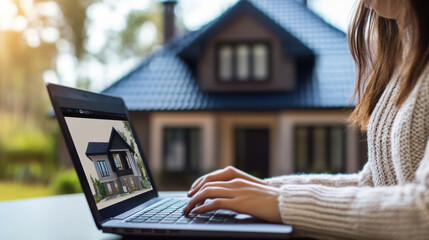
(218, 135)
(207, 123)
(288, 119)
(282, 69)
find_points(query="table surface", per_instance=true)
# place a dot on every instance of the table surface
(57, 217)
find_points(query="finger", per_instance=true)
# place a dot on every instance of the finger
(201, 178)
(214, 192)
(220, 203)
(219, 175)
(196, 182)
(234, 183)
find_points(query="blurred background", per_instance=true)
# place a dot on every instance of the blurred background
(260, 84)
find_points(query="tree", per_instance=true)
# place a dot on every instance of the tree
(27, 56)
(95, 186)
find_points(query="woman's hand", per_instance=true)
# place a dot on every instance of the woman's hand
(239, 195)
(225, 174)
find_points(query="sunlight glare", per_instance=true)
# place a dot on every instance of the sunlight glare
(8, 11)
(147, 34)
(32, 37)
(50, 34)
(50, 76)
(19, 23)
(48, 9)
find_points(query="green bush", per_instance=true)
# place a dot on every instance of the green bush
(66, 182)
(101, 188)
(97, 198)
(145, 184)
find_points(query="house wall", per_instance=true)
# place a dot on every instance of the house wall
(218, 133)
(112, 185)
(288, 119)
(135, 179)
(112, 176)
(140, 120)
(245, 28)
(207, 123)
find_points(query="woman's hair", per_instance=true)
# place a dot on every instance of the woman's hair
(377, 46)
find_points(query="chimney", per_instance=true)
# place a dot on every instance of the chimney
(169, 19)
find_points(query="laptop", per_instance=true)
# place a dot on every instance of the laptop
(117, 181)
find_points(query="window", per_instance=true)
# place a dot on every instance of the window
(320, 149)
(243, 62)
(225, 63)
(118, 162)
(103, 168)
(181, 149)
(125, 155)
(243, 68)
(116, 186)
(260, 62)
(109, 188)
(132, 183)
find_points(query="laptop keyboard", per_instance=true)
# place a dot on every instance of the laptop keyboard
(171, 212)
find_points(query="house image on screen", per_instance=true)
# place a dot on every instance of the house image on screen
(115, 164)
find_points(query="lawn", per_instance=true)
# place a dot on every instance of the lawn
(10, 191)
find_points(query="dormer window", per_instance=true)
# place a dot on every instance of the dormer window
(243, 62)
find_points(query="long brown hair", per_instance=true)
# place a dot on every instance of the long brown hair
(379, 48)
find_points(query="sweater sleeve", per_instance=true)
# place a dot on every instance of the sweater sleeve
(388, 212)
(363, 178)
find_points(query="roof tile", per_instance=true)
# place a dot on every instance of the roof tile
(165, 82)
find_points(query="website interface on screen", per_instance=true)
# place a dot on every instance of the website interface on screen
(109, 155)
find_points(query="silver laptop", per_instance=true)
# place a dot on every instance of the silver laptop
(117, 181)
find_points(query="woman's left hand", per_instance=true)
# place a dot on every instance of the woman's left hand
(239, 195)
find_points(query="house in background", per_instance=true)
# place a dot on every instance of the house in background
(115, 164)
(264, 87)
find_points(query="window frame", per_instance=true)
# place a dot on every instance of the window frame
(120, 161)
(250, 44)
(189, 165)
(310, 145)
(102, 164)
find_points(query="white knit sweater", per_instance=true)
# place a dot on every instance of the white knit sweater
(389, 198)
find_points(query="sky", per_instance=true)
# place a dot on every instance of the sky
(110, 15)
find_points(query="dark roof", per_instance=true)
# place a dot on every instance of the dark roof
(291, 45)
(97, 148)
(102, 148)
(164, 81)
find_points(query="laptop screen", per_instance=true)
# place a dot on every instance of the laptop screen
(109, 156)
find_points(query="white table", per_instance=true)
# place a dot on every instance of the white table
(58, 217)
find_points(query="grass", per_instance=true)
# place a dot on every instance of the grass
(11, 191)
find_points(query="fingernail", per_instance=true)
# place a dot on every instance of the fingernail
(195, 210)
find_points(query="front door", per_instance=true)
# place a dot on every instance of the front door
(252, 150)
